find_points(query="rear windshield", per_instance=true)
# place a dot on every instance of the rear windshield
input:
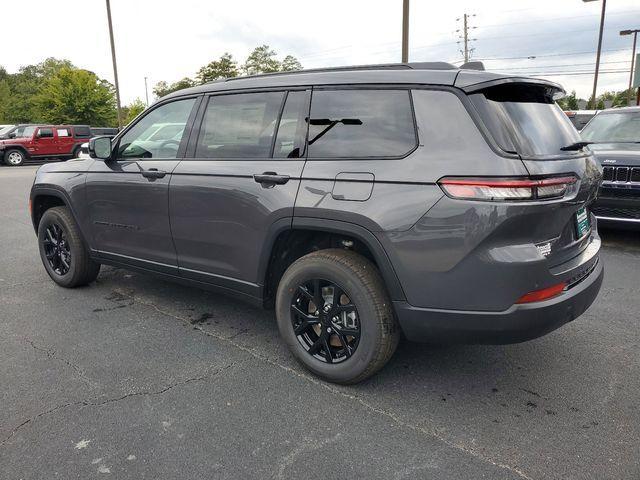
(613, 128)
(525, 119)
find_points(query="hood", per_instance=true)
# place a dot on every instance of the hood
(614, 158)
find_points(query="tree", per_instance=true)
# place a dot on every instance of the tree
(570, 102)
(132, 110)
(261, 60)
(225, 67)
(290, 63)
(162, 88)
(76, 96)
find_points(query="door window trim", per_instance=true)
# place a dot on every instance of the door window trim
(202, 110)
(182, 148)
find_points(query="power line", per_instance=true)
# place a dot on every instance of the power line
(553, 19)
(568, 54)
(537, 67)
(558, 74)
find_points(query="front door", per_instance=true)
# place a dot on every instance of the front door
(128, 195)
(44, 142)
(239, 187)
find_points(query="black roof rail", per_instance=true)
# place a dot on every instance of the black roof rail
(379, 66)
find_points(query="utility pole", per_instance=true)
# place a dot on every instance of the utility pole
(405, 31)
(115, 65)
(633, 59)
(464, 38)
(595, 78)
(146, 91)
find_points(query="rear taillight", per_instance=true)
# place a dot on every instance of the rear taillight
(544, 294)
(504, 189)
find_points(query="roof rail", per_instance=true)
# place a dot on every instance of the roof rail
(379, 66)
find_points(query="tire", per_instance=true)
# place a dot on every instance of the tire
(14, 157)
(364, 293)
(58, 232)
(76, 152)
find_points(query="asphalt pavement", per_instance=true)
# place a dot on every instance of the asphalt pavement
(134, 377)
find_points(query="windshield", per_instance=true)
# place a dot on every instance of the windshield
(5, 129)
(24, 132)
(524, 119)
(613, 128)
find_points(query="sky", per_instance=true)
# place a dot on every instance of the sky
(167, 40)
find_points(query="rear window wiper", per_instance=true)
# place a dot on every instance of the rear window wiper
(575, 146)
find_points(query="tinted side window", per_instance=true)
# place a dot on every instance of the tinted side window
(361, 123)
(159, 133)
(292, 127)
(45, 133)
(239, 125)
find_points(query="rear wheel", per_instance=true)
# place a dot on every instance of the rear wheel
(14, 157)
(63, 252)
(335, 315)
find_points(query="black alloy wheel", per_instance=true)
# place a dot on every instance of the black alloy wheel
(57, 249)
(325, 321)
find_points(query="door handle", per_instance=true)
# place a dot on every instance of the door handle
(153, 173)
(271, 178)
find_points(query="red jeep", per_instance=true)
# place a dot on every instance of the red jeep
(44, 141)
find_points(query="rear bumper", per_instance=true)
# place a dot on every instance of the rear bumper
(516, 324)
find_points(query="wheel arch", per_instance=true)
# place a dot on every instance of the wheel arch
(289, 240)
(46, 197)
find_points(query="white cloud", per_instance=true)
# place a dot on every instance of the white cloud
(170, 40)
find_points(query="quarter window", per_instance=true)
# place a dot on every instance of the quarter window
(63, 132)
(159, 133)
(361, 123)
(239, 125)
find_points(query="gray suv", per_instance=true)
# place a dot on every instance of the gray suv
(361, 203)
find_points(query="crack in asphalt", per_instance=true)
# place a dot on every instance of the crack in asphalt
(368, 406)
(50, 353)
(90, 403)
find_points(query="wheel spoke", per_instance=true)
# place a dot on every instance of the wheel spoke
(327, 349)
(345, 344)
(50, 236)
(302, 289)
(317, 294)
(315, 347)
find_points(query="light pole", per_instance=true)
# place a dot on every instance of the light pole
(633, 58)
(595, 78)
(405, 31)
(146, 91)
(115, 65)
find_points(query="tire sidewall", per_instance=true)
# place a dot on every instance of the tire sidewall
(370, 331)
(49, 217)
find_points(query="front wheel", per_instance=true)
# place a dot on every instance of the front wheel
(335, 315)
(63, 252)
(14, 157)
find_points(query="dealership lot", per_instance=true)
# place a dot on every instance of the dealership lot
(136, 377)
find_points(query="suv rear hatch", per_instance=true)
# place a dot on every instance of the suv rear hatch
(523, 118)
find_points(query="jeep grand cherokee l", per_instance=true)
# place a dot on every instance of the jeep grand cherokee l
(360, 202)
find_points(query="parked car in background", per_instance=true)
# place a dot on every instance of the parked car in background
(580, 118)
(5, 128)
(616, 137)
(451, 205)
(104, 131)
(43, 141)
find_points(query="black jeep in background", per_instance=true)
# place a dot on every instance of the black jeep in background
(616, 137)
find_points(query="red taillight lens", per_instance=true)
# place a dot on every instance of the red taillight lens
(502, 189)
(544, 294)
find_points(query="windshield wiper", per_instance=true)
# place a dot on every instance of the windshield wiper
(575, 146)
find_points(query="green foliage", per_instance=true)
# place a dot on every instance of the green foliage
(570, 102)
(132, 110)
(225, 67)
(162, 88)
(261, 60)
(290, 64)
(71, 95)
(55, 91)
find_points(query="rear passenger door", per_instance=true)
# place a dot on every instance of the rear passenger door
(44, 142)
(64, 140)
(238, 189)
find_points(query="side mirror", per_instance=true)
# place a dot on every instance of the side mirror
(12, 135)
(100, 147)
